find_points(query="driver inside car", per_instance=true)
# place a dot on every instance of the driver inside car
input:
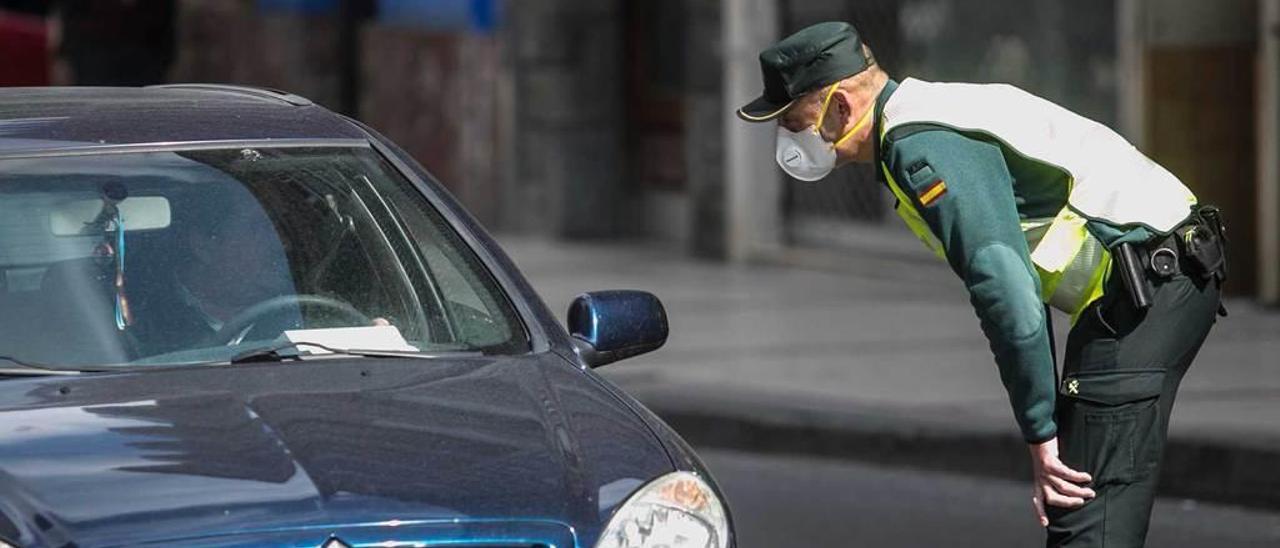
(227, 257)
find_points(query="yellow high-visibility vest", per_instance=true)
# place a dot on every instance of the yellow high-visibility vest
(1109, 180)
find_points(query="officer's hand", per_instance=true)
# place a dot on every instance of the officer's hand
(1055, 483)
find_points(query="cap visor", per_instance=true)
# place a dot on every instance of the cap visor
(763, 110)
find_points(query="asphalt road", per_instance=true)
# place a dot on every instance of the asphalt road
(783, 502)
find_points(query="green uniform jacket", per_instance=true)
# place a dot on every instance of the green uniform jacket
(989, 190)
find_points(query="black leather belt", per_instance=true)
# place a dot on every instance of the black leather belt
(1197, 248)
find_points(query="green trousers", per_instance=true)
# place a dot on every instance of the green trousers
(1121, 374)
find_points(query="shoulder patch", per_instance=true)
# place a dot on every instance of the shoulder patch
(933, 192)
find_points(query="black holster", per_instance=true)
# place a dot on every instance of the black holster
(1133, 273)
(1204, 243)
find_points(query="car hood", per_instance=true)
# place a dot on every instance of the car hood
(318, 447)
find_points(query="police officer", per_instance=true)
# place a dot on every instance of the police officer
(1029, 203)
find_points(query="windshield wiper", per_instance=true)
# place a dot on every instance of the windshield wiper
(27, 368)
(275, 353)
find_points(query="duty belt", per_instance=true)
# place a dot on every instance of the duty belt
(1197, 248)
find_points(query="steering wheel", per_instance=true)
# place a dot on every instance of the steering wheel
(232, 329)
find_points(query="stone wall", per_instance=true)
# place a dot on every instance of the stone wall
(568, 133)
(434, 95)
(223, 41)
(705, 112)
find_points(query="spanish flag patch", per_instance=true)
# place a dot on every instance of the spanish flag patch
(932, 194)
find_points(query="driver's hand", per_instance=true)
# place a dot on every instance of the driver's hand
(1055, 484)
(381, 321)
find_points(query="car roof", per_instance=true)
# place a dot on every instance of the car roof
(36, 119)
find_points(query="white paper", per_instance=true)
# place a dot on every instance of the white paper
(373, 337)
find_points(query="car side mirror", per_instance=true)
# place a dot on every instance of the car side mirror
(608, 326)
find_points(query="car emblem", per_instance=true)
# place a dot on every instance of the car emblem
(1073, 386)
(334, 542)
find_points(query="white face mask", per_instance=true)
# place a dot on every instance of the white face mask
(805, 155)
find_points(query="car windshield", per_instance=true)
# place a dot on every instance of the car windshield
(196, 256)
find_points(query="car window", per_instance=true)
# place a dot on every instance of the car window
(230, 249)
(455, 272)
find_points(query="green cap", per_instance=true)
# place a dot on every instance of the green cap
(816, 56)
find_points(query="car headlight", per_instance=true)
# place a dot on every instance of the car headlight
(678, 510)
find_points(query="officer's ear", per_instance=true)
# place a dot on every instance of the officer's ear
(839, 111)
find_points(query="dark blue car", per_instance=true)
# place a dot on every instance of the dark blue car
(230, 317)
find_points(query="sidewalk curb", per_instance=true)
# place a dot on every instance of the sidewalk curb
(1196, 469)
